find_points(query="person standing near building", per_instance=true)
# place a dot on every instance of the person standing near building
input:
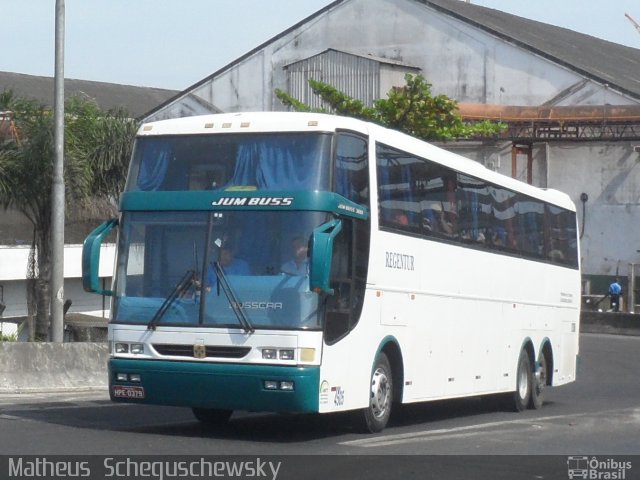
(614, 294)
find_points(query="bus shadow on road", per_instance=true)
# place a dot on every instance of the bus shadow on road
(440, 410)
(254, 427)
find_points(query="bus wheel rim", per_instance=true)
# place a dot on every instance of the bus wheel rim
(523, 383)
(541, 376)
(380, 393)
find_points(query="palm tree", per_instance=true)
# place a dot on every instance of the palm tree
(97, 151)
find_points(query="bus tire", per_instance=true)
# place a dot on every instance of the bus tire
(212, 417)
(539, 382)
(522, 395)
(375, 417)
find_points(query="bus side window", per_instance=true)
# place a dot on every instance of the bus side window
(559, 233)
(337, 305)
(351, 168)
(400, 184)
(348, 279)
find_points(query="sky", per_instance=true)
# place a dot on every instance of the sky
(175, 43)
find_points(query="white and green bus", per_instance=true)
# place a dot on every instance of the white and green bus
(291, 262)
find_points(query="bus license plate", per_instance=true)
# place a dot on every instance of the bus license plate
(120, 391)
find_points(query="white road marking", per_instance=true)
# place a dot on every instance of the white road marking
(480, 429)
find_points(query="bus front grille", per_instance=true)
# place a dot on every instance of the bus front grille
(210, 351)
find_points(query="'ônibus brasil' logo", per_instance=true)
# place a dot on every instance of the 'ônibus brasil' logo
(253, 201)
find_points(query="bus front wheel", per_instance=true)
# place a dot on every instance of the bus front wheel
(212, 417)
(522, 395)
(375, 417)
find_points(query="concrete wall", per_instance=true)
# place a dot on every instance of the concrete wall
(41, 367)
(612, 323)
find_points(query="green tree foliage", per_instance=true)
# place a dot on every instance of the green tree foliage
(97, 150)
(412, 109)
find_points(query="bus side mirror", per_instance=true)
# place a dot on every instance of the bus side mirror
(321, 256)
(91, 258)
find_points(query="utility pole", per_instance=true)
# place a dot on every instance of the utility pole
(57, 188)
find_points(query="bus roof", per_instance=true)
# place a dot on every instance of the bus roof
(252, 122)
(261, 122)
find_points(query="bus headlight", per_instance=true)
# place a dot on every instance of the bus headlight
(286, 385)
(270, 385)
(286, 354)
(137, 348)
(122, 348)
(269, 353)
(278, 353)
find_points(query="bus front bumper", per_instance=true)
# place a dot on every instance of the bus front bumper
(214, 385)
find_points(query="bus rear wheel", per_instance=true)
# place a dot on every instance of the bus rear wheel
(375, 417)
(522, 395)
(212, 417)
(539, 382)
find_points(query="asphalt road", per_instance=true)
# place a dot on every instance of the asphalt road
(599, 415)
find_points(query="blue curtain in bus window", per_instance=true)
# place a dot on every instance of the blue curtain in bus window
(279, 164)
(384, 190)
(154, 165)
(406, 194)
(472, 198)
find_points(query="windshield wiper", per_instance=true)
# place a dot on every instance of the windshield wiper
(185, 282)
(233, 299)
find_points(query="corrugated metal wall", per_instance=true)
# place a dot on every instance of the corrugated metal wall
(356, 76)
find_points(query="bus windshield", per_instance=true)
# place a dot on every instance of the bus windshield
(201, 268)
(250, 161)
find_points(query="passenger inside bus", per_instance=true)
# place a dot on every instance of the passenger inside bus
(231, 265)
(434, 222)
(299, 263)
(400, 218)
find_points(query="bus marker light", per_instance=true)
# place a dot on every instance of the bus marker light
(269, 353)
(307, 354)
(147, 128)
(286, 385)
(122, 348)
(312, 123)
(208, 125)
(270, 385)
(245, 124)
(286, 354)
